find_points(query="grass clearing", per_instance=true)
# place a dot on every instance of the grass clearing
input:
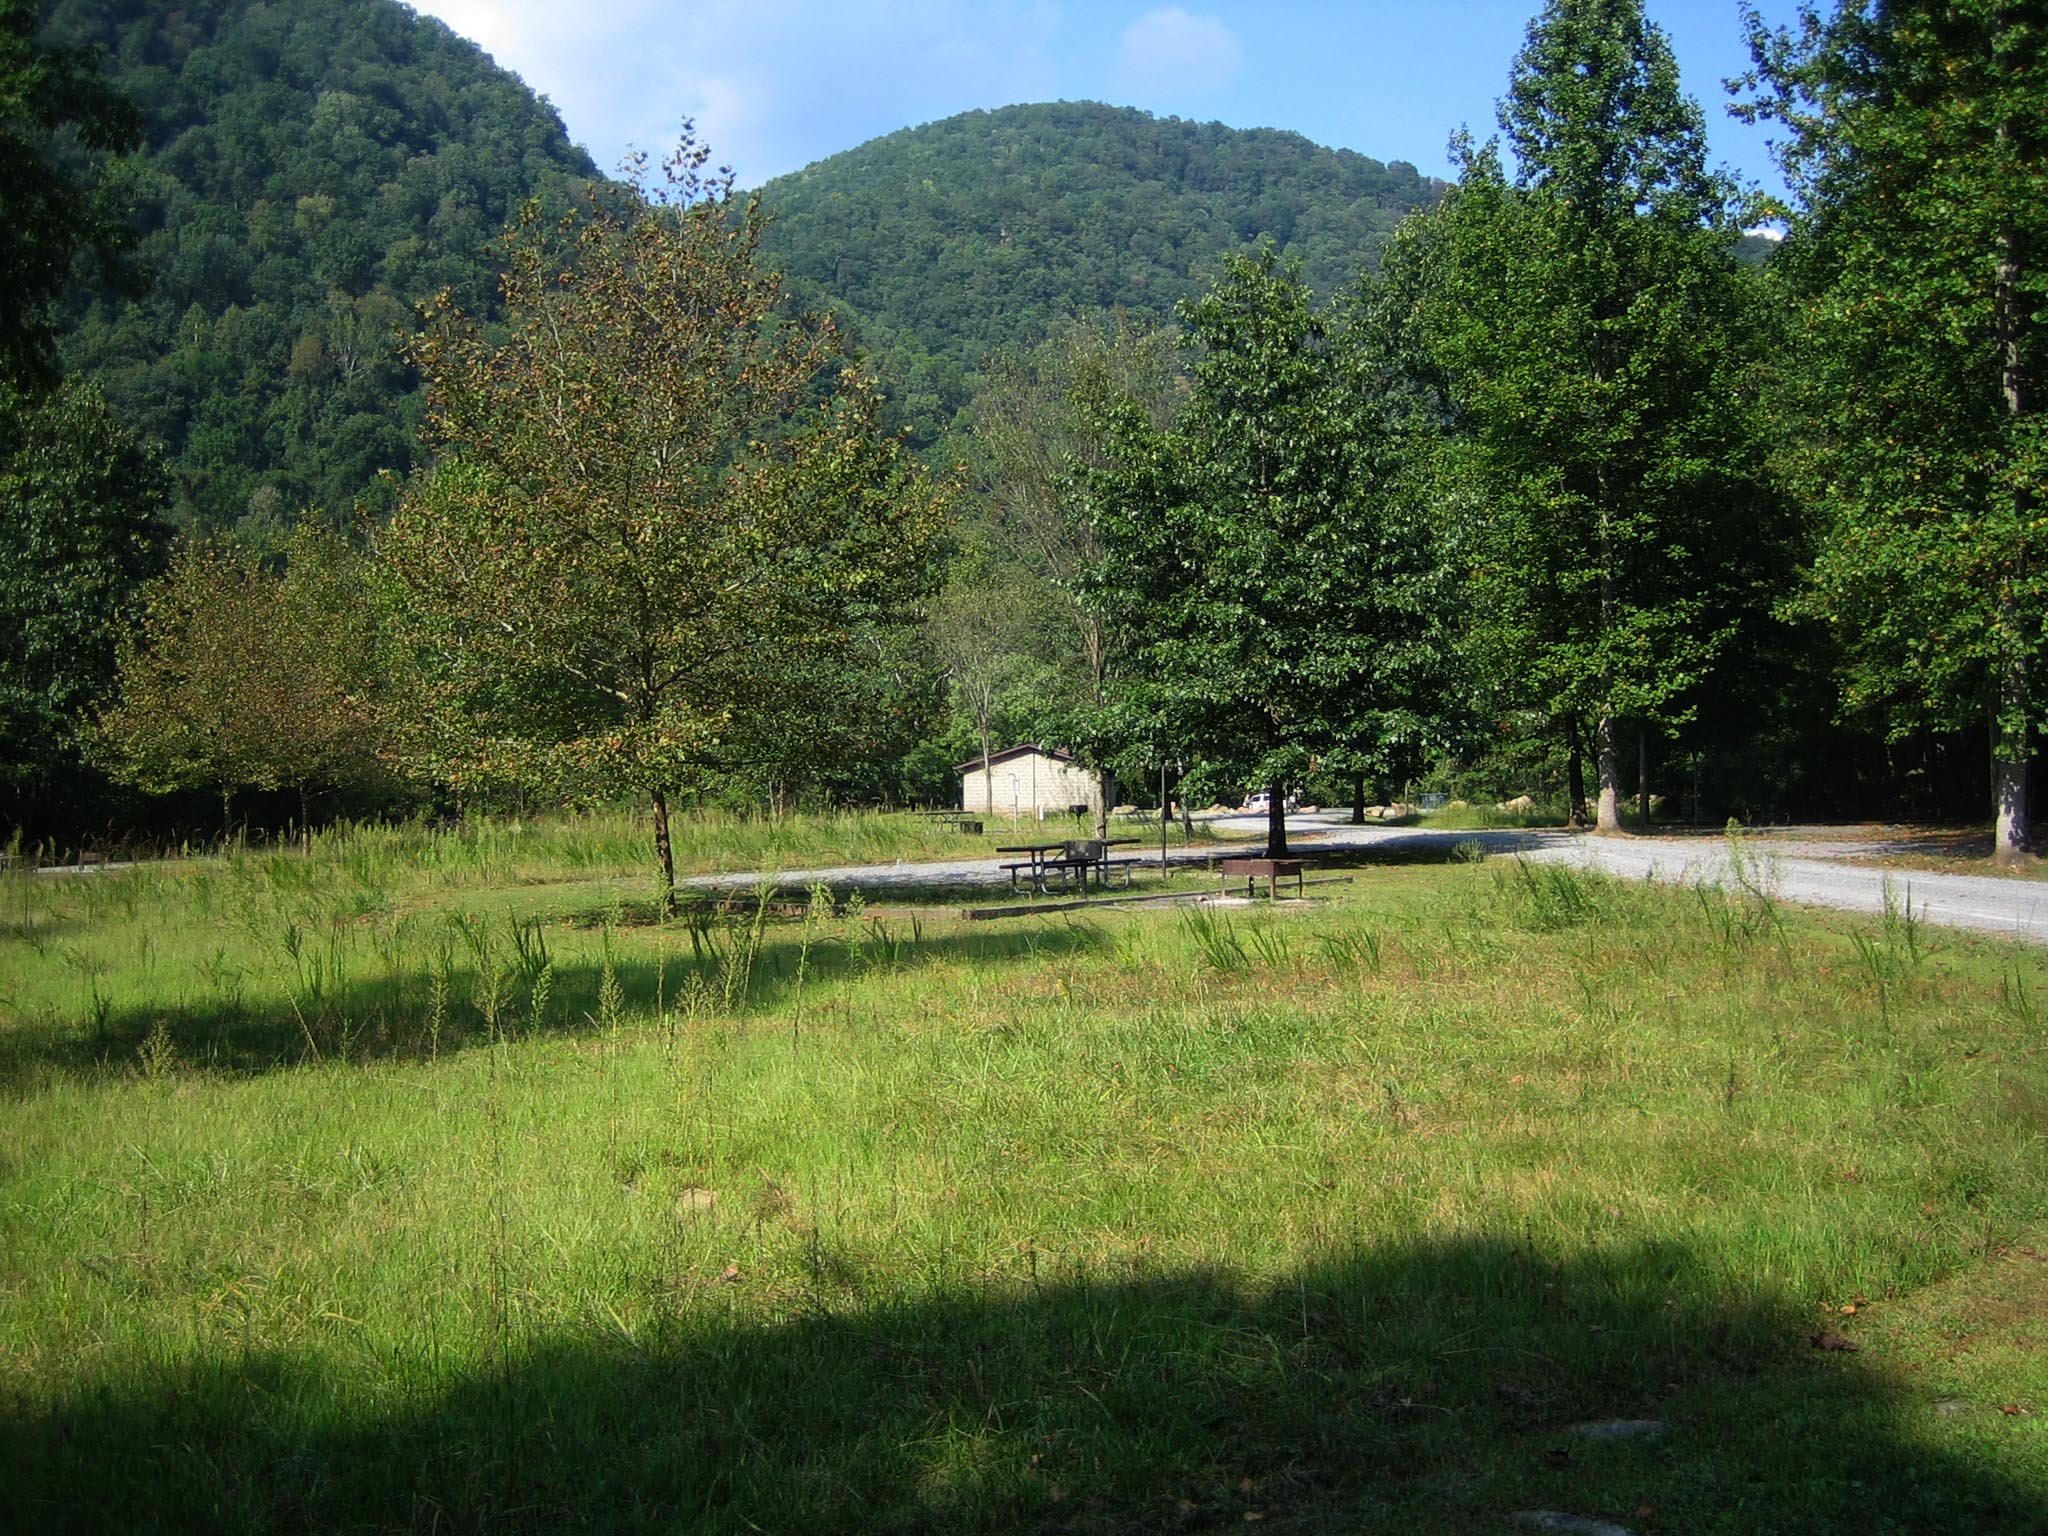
(404, 1186)
(1486, 818)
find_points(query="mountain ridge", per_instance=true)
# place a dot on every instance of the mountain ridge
(1024, 214)
(309, 171)
(313, 169)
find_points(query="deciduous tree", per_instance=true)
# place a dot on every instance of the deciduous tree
(660, 499)
(1587, 315)
(1920, 242)
(51, 213)
(241, 676)
(80, 529)
(1037, 444)
(1272, 587)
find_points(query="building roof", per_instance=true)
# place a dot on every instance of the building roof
(1009, 754)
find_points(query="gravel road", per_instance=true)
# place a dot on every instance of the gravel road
(1811, 867)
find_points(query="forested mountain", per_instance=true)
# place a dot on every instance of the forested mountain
(310, 169)
(946, 241)
(313, 168)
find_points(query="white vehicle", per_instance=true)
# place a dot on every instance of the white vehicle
(1262, 802)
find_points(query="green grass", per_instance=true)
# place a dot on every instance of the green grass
(1487, 818)
(403, 1187)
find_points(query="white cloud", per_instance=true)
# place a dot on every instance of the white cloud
(771, 84)
(497, 25)
(1169, 50)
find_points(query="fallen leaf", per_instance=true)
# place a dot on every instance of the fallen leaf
(2010, 1410)
(1848, 1309)
(730, 1274)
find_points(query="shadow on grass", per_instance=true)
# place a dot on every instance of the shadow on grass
(379, 1014)
(1426, 1388)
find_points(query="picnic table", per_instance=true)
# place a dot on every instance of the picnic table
(1272, 871)
(1075, 858)
(965, 821)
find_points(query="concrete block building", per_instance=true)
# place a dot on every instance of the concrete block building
(1028, 780)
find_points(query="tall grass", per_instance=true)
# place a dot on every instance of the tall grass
(1481, 818)
(361, 1191)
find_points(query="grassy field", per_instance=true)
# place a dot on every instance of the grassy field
(422, 1183)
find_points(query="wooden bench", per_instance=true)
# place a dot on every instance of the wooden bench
(1272, 871)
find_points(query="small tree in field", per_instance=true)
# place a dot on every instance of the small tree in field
(659, 498)
(1275, 585)
(239, 677)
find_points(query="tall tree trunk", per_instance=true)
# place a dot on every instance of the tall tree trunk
(665, 852)
(2009, 845)
(1574, 770)
(1165, 813)
(2012, 748)
(1607, 765)
(1105, 796)
(1276, 822)
(988, 779)
(1358, 799)
(1603, 728)
(1643, 774)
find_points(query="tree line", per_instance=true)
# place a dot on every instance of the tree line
(1558, 476)
(1563, 491)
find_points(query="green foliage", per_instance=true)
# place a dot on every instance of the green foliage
(1028, 214)
(1034, 441)
(987, 631)
(80, 508)
(242, 677)
(309, 171)
(666, 542)
(1917, 153)
(1590, 327)
(57, 118)
(1343, 1218)
(1276, 592)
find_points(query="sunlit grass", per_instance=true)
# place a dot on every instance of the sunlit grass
(1483, 818)
(405, 1186)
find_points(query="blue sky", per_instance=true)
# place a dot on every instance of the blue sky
(776, 84)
